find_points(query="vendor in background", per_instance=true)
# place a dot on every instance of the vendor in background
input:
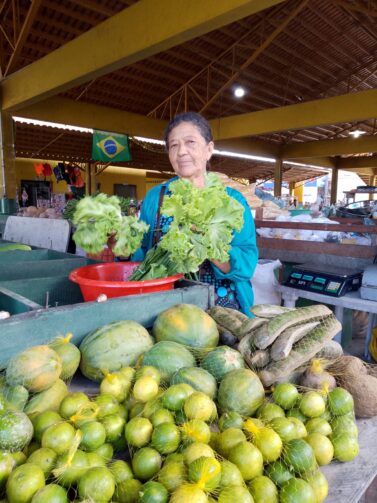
(189, 144)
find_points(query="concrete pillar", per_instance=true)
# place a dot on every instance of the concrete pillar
(334, 185)
(291, 188)
(278, 177)
(87, 179)
(93, 179)
(7, 157)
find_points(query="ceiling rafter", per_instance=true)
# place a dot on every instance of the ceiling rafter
(129, 48)
(24, 32)
(228, 52)
(258, 51)
(340, 33)
(16, 19)
(293, 52)
(326, 40)
(357, 7)
(61, 8)
(92, 5)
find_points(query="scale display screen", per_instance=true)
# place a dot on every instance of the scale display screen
(335, 282)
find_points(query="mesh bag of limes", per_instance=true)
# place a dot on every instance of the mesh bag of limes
(183, 425)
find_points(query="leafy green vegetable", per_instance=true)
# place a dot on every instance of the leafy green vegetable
(203, 226)
(129, 235)
(99, 217)
(70, 209)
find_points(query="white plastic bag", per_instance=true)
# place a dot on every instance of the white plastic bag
(264, 282)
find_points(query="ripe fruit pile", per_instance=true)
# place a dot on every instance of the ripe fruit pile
(178, 448)
(165, 430)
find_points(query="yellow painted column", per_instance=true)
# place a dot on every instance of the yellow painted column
(299, 192)
(7, 157)
(278, 176)
(334, 185)
(371, 182)
(93, 179)
(292, 189)
(87, 179)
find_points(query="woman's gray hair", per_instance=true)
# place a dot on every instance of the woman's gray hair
(194, 118)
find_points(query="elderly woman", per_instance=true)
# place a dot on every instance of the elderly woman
(189, 143)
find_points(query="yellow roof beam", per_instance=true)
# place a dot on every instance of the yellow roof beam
(321, 162)
(343, 108)
(340, 146)
(77, 113)
(136, 33)
(362, 171)
(249, 147)
(358, 162)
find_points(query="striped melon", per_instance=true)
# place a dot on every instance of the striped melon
(198, 378)
(168, 357)
(222, 360)
(113, 346)
(37, 368)
(186, 324)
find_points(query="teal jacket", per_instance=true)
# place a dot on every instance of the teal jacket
(243, 254)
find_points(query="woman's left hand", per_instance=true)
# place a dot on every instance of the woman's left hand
(223, 266)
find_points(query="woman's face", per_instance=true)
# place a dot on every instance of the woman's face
(189, 152)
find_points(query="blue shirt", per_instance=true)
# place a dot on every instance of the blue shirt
(243, 255)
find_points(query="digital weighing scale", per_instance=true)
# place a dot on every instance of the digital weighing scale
(333, 281)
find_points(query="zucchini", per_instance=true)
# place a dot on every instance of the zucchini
(269, 310)
(302, 352)
(281, 348)
(230, 319)
(267, 334)
(248, 326)
(330, 351)
(259, 359)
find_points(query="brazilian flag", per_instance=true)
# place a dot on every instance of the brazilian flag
(110, 147)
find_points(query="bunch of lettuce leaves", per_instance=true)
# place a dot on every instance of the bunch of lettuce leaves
(99, 217)
(204, 220)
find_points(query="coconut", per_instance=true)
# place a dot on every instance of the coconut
(352, 374)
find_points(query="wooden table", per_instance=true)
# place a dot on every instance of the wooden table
(349, 481)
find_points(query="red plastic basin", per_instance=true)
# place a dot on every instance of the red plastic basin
(111, 279)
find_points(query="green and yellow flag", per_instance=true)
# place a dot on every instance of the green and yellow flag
(108, 147)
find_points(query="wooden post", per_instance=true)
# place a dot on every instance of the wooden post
(334, 185)
(291, 188)
(93, 180)
(278, 176)
(87, 179)
(371, 182)
(7, 157)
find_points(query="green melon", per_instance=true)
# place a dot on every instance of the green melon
(221, 361)
(113, 346)
(16, 431)
(186, 324)
(168, 357)
(69, 354)
(50, 399)
(37, 368)
(241, 391)
(197, 378)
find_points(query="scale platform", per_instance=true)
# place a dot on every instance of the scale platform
(332, 281)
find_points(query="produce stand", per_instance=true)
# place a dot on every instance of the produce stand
(37, 278)
(48, 233)
(42, 325)
(324, 253)
(349, 481)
